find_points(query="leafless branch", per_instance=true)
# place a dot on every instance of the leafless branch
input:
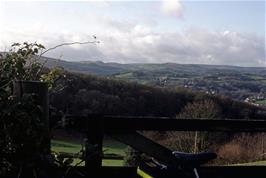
(68, 44)
(60, 45)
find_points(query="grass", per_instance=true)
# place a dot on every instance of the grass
(256, 163)
(109, 146)
(63, 146)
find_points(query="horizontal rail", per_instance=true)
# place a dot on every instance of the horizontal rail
(96, 125)
(171, 124)
(125, 124)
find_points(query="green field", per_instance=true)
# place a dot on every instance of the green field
(109, 146)
(256, 163)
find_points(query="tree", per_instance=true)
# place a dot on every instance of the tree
(202, 109)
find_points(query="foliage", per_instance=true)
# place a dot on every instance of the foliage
(51, 77)
(243, 148)
(84, 94)
(22, 133)
(21, 129)
(20, 63)
(133, 157)
(202, 109)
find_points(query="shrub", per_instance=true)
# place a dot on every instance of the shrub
(22, 132)
(243, 148)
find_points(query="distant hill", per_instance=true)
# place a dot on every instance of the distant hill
(101, 68)
(98, 68)
(240, 83)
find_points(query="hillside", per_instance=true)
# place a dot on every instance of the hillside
(98, 68)
(101, 68)
(84, 94)
(240, 83)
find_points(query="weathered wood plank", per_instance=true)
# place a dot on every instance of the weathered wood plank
(40, 89)
(124, 124)
(145, 145)
(123, 129)
(94, 144)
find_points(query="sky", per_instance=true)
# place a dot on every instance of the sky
(186, 32)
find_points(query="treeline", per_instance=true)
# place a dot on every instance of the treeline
(86, 94)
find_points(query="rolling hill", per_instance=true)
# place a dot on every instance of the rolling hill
(239, 83)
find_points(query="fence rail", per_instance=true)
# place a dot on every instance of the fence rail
(171, 124)
(98, 125)
(124, 123)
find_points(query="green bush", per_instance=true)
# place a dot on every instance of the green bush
(21, 129)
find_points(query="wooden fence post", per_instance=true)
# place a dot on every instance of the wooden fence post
(41, 90)
(93, 156)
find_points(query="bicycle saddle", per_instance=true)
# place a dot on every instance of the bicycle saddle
(193, 160)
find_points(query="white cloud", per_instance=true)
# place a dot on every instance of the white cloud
(226, 32)
(142, 30)
(172, 8)
(127, 43)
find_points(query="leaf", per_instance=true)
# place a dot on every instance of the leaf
(60, 158)
(35, 50)
(41, 46)
(15, 44)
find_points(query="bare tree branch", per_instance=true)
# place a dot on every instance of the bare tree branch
(68, 44)
(60, 45)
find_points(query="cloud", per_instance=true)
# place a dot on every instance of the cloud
(172, 8)
(135, 42)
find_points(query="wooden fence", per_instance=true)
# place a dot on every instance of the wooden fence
(98, 125)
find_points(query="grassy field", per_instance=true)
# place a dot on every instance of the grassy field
(256, 163)
(109, 146)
